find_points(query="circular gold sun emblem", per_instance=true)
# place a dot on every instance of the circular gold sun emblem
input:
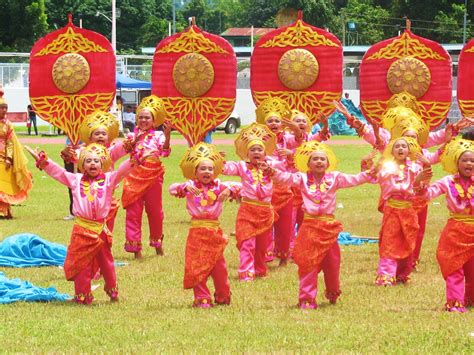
(71, 73)
(193, 75)
(298, 69)
(410, 75)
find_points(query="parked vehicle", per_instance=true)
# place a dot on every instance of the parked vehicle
(231, 124)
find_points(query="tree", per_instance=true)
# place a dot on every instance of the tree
(22, 22)
(449, 25)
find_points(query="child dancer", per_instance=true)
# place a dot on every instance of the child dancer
(396, 175)
(455, 251)
(255, 217)
(90, 247)
(143, 186)
(275, 114)
(316, 248)
(205, 245)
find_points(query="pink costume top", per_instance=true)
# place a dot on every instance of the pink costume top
(434, 138)
(150, 144)
(285, 140)
(255, 186)
(206, 205)
(398, 186)
(455, 203)
(320, 198)
(91, 197)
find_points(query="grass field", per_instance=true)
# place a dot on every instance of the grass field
(155, 315)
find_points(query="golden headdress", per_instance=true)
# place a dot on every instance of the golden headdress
(295, 113)
(99, 119)
(453, 151)
(156, 106)
(304, 151)
(413, 147)
(99, 150)
(404, 99)
(398, 120)
(2, 99)
(198, 153)
(255, 134)
(272, 106)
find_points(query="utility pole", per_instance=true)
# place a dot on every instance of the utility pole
(343, 29)
(174, 16)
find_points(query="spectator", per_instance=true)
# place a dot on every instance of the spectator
(129, 119)
(31, 120)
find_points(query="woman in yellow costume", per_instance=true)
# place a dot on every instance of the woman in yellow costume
(15, 179)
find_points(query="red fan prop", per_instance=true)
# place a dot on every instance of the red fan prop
(407, 63)
(300, 64)
(195, 73)
(72, 74)
(466, 79)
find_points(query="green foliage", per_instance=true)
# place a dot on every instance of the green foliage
(22, 22)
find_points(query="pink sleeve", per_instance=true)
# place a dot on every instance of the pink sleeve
(369, 136)
(177, 189)
(161, 141)
(348, 180)
(234, 187)
(437, 188)
(117, 151)
(122, 171)
(231, 168)
(283, 177)
(291, 142)
(317, 137)
(436, 138)
(60, 174)
(433, 158)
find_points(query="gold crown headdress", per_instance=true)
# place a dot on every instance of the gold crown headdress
(99, 150)
(413, 148)
(156, 106)
(453, 151)
(99, 119)
(255, 133)
(272, 106)
(304, 151)
(398, 120)
(404, 99)
(198, 153)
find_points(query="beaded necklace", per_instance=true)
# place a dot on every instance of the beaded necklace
(460, 191)
(316, 188)
(92, 187)
(256, 175)
(208, 195)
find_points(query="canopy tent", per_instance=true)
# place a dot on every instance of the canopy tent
(125, 82)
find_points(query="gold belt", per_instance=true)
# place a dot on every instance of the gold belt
(255, 202)
(322, 217)
(205, 223)
(94, 226)
(399, 203)
(464, 218)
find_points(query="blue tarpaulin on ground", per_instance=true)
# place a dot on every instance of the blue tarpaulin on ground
(15, 290)
(29, 250)
(345, 238)
(125, 82)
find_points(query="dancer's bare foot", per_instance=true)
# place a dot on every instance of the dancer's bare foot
(159, 251)
(138, 255)
(283, 262)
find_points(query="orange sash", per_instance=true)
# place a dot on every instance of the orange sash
(397, 238)
(297, 197)
(204, 248)
(253, 219)
(140, 179)
(315, 237)
(281, 195)
(83, 248)
(455, 246)
(419, 203)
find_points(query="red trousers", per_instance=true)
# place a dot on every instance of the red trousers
(221, 285)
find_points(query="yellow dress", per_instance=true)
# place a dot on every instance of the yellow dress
(15, 182)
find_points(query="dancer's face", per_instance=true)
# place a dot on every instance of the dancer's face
(145, 120)
(3, 111)
(411, 134)
(301, 121)
(274, 123)
(318, 162)
(205, 172)
(400, 150)
(466, 164)
(100, 136)
(256, 153)
(92, 165)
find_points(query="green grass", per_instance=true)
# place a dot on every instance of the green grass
(155, 314)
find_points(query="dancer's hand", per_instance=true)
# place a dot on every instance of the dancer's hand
(224, 195)
(193, 189)
(424, 176)
(423, 160)
(464, 122)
